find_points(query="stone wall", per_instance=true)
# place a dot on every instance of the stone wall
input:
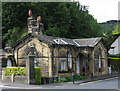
(16, 79)
(65, 74)
(61, 53)
(102, 51)
(41, 51)
(49, 57)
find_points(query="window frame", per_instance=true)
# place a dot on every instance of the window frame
(69, 60)
(100, 61)
(63, 65)
(35, 61)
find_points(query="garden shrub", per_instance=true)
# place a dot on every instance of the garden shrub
(84, 77)
(15, 70)
(115, 64)
(114, 56)
(37, 75)
(69, 78)
(22, 72)
(78, 77)
(62, 79)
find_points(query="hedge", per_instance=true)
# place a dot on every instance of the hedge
(37, 75)
(22, 72)
(15, 70)
(114, 56)
(115, 64)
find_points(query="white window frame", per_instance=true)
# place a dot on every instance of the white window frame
(99, 61)
(63, 65)
(9, 63)
(35, 61)
(113, 50)
(69, 60)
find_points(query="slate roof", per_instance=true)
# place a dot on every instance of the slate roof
(86, 42)
(90, 42)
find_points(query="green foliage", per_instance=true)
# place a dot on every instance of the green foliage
(65, 79)
(117, 29)
(22, 72)
(24, 34)
(77, 77)
(69, 78)
(15, 70)
(107, 28)
(115, 64)
(13, 35)
(114, 56)
(60, 19)
(55, 81)
(53, 32)
(84, 77)
(37, 75)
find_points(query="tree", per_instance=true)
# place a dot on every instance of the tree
(117, 29)
(60, 19)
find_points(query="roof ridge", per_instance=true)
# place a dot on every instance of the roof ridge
(87, 38)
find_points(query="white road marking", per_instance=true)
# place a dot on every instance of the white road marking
(97, 81)
(21, 87)
(58, 86)
(9, 87)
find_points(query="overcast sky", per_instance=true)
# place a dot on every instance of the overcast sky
(102, 10)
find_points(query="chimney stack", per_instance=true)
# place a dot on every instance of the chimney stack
(35, 26)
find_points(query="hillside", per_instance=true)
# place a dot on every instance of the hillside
(107, 28)
(108, 25)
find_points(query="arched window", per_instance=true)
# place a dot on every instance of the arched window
(9, 63)
(69, 60)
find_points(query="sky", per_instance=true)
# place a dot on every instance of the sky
(102, 10)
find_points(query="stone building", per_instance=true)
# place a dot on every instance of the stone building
(115, 45)
(60, 56)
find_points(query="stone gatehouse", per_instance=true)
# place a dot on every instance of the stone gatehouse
(61, 55)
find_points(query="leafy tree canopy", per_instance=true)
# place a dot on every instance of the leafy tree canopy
(60, 19)
(117, 29)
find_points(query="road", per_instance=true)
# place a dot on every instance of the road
(111, 83)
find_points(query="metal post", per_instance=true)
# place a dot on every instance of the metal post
(91, 76)
(73, 77)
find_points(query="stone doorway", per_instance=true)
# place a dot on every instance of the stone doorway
(80, 64)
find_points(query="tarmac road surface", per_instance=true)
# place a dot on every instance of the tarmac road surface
(111, 83)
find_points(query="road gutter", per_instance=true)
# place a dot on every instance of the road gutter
(92, 80)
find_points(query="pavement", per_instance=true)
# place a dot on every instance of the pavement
(52, 85)
(97, 78)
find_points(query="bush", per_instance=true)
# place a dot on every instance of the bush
(115, 64)
(76, 77)
(62, 79)
(37, 75)
(65, 79)
(85, 77)
(22, 72)
(15, 70)
(114, 56)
